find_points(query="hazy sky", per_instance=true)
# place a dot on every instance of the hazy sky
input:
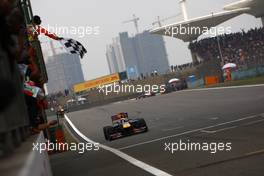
(109, 15)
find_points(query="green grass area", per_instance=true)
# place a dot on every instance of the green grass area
(246, 81)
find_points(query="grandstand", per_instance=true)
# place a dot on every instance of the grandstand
(252, 7)
(246, 49)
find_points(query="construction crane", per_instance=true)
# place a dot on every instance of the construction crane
(135, 21)
(164, 19)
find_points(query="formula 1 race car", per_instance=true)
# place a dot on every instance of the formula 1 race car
(123, 126)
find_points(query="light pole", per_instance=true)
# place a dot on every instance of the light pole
(218, 44)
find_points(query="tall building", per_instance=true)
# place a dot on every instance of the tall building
(144, 54)
(111, 59)
(131, 55)
(64, 70)
(117, 49)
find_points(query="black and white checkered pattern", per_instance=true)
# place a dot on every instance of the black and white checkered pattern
(74, 47)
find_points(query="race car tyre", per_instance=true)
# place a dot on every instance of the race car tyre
(108, 130)
(142, 123)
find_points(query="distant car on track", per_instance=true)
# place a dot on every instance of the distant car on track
(175, 85)
(123, 126)
(146, 95)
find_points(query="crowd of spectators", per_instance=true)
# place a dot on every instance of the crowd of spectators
(242, 48)
(184, 66)
(173, 68)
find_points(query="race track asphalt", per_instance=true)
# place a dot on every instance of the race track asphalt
(232, 115)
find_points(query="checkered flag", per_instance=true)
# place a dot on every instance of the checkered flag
(73, 47)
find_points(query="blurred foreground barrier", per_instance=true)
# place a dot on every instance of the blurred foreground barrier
(27, 161)
(13, 116)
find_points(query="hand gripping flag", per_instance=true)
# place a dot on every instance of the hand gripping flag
(73, 47)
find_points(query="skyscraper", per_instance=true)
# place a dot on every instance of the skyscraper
(111, 59)
(64, 70)
(144, 54)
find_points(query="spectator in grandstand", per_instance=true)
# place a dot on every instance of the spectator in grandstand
(242, 48)
(184, 66)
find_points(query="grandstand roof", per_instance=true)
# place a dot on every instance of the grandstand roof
(203, 22)
(256, 6)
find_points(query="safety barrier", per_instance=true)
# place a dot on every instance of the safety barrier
(210, 80)
(252, 72)
(196, 83)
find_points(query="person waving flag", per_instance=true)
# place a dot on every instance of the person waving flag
(71, 45)
(34, 30)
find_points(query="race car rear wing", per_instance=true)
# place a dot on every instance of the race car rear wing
(118, 117)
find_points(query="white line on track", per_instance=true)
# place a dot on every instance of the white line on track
(118, 102)
(225, 129)
(214, 118)
(130, 159)
(190, 131)
(219, 130)
(171, 129)
(254, 122)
